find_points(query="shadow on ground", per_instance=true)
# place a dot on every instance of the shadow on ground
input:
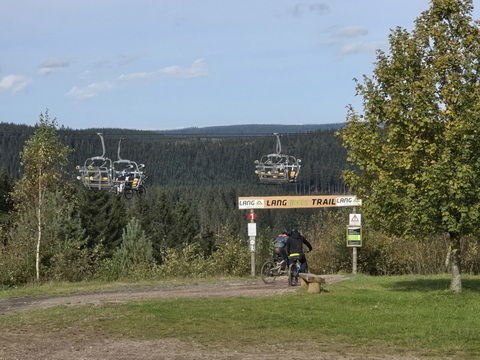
(427, 285)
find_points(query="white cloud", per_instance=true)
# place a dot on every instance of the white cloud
(361, 47)
(52, 64)
(89, 91)
(15, 83)
(351, 31)
(197, 69)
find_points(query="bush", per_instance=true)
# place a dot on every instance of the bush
(17, 256)
(231, 258)
(327, 236)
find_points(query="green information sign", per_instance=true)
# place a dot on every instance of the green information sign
(354, 236)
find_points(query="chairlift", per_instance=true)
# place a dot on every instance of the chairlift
(96, 173)
(121, 176)
(129, 177)
(277, 168)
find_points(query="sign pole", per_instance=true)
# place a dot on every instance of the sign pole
(354, 252)
(354, 260)
(252, 232)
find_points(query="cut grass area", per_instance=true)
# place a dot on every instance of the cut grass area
(400, 314)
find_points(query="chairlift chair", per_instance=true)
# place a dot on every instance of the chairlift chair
(277, 168)
(96, 173)
(129, 176)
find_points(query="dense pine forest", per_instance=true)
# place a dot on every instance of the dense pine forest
(196, 160)
(206, 171)
(188, 224)
(193, 184)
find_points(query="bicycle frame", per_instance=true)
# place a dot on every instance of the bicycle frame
(271, 269)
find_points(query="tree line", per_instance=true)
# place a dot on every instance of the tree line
(54, 228)
(176, 160)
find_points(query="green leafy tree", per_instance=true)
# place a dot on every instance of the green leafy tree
(43, 157)
(416, 146)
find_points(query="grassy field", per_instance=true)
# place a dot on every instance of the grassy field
(398, 314)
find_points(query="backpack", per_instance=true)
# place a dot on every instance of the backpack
(280, 241)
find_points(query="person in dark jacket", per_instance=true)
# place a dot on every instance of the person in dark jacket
(294, 248)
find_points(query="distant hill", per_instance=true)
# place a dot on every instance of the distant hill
(252, 129)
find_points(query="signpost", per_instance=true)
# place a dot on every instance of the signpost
(252, 233)
(294, 202)
(354, 236)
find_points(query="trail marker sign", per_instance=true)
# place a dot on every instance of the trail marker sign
(355, 219)
(252, 229)
(354, 236)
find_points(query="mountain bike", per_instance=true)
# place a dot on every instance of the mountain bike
(271, 269)
(294, 269)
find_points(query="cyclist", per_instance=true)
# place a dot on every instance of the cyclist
(294, 248)
(279, 248)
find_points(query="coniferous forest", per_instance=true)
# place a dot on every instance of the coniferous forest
(194, 180)
(188, 224)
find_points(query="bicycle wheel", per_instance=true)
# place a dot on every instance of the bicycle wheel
(267, 273)
(142, 191)
(292, 274)
(128, 193)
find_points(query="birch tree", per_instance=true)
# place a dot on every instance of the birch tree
(43, 159)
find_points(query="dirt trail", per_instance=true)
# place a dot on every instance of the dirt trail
(91, 346)
(249, 288)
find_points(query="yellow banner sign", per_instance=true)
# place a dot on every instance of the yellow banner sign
(292, 202)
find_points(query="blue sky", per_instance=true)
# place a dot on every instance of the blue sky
(163, 64)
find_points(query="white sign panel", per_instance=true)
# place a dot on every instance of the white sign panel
(252, 229)
(355, 219)
(348, 201)
(251, 204)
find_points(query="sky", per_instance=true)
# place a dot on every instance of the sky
(168, 64)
